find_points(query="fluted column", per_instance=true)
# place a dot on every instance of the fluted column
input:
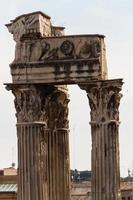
(32, 140)
(32, 177)
(43, 147)
(58, 145)
(104, 99)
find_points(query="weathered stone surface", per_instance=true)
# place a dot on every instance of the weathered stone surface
(60, 59)
(104, 99)
(44, 58)
(43, 146)
(33, 24)
(41, 56)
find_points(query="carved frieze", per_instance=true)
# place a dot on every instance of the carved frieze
(67, 48)
(90, 50)
(59, 59)
(55, 49)
(104, 99)
(44, 54)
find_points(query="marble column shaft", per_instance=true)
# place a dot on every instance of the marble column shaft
(104, 99)
(58, 146)
(58, 165)
(43, 147)
(32, 175)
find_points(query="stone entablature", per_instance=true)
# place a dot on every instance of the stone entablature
(44, 55)
(60, 59)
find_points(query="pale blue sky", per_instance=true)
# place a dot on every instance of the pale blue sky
(111, 18)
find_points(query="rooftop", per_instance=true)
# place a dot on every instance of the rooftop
(8, 188)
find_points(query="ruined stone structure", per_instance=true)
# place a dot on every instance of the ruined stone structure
(45, 62)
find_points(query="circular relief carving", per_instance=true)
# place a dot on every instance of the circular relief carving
(85, 51)
(67, 48)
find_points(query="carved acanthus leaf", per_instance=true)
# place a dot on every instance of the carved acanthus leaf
(29, 104)
(104, 100)
(57, 104)
(42, 104)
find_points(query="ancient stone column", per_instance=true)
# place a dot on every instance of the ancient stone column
(43, 150)
(104, 99)
(58, 145)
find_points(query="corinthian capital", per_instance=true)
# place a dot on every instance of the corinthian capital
(41, 103)
(104, 99)
(30, 104)
(57, 107)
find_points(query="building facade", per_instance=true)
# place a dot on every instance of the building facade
(80, 185)
(8, 184)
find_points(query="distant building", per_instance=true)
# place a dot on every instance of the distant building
(8, 184)
(80, 185)
(78, 176)
(127, 188)
(81, 190)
